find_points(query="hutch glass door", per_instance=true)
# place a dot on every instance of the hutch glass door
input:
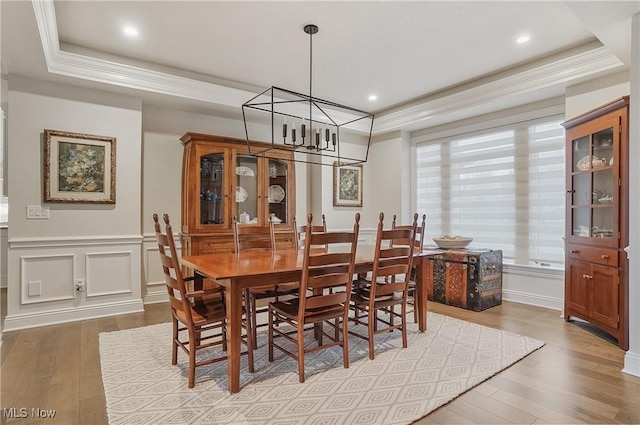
(246, 189)
(594, 183)
(212, 188)
(277, 191)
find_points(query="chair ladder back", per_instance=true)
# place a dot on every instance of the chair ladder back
(174, 280)
(302, 230)
(323, 269)
(392, 260)
(253, 237)
(419, 233)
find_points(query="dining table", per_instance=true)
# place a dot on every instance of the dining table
(246, 269)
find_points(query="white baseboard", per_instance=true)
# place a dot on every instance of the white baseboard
(156, 297)
(533, 299)
(66, 315)
(632, 363)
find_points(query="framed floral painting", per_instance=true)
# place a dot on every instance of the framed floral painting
(347, 185)
(79, 168)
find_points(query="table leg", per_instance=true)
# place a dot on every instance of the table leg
(421, 292)
(233, 298)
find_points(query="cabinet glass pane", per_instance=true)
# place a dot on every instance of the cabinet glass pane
(211, 188)
(602, 148)
(581, 189)
(581, 153)
(593, 185)
(247, 189)
(277, 191)
(581, 222)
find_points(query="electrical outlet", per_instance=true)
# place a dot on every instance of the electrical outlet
(79, 285)
(34, 288)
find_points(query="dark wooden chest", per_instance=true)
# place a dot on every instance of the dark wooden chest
(467, 278)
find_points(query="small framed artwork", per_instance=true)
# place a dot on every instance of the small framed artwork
(79, 168)
(347, 185)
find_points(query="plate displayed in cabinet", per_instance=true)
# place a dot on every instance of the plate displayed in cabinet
(587, 162)
(241, 194)
(606, 200)
(244, 171)
(276, 193)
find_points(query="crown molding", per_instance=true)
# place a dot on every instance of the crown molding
(561, 68)
(557, 70)
(109, 72)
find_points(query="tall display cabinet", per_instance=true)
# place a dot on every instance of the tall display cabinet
(220, 180)
(597, 221)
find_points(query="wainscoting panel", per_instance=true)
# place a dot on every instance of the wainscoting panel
(62, 279)
(108, 273)
(46, 278)
(155, 277)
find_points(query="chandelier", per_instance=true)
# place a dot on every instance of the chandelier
(318, 131)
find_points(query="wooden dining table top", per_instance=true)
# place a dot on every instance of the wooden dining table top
(247, 264)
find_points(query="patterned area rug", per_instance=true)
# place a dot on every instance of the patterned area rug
(398, 387)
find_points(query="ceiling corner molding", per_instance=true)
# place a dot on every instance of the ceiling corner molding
(113, 73)
(560, 69)
(46, 19)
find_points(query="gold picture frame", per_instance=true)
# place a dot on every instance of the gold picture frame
(347, 185)
(79, 168)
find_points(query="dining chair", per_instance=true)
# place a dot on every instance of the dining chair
(258, 238)
(419, 245)
(199, 312)
(302, 230)
(389, 286)
(315, 306)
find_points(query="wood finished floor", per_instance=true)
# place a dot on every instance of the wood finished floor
(575, 379)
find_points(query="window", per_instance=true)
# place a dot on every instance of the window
(505, 188)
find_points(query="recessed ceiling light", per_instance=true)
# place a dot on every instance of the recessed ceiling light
(522, 39)
(130, 31)
(373, 97)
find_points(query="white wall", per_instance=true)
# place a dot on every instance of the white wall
(321, 191)
(584, 97)
(98, 244)
(387, 180)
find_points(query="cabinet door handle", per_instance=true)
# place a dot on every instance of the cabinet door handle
(575, 251)
(605, 257)
(585, 276)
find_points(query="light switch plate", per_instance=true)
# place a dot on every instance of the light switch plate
(37, 211)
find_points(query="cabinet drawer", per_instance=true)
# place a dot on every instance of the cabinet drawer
(212, 244)
(606, 257)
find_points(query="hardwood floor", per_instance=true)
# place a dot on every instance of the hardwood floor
(574, 379)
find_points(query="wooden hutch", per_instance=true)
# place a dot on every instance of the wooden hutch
(220, 180)
(597, 218)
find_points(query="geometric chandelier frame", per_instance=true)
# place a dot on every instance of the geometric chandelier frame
(317, 130)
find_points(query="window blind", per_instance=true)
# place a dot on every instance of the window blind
(505, 188)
